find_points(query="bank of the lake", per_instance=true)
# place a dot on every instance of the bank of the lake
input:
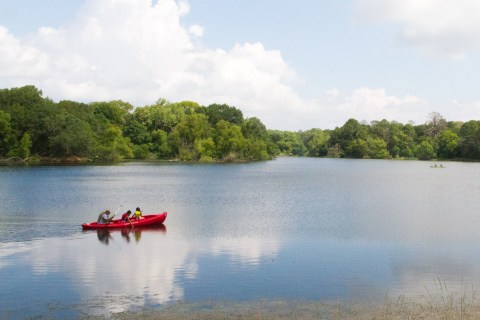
(434, 307)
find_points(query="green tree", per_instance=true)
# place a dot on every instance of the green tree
(229, 141)
(288, 143)
(424, 151)
(216, 112)
(256, 150)
(115, 111)
(401, 142)
(253, 128)
(70, 136)
(193, 127)
(448, 144)
(345, 135)
(469, 144)
(205, 148)
(160, 146)
(316, 141)
(24, 146)
(7, 137)
(112, 146)
(28, 111)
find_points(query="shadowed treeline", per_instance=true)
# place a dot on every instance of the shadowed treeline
(34, 127)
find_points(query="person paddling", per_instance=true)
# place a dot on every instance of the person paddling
(138, 214)
(126, 216)
(103, 217)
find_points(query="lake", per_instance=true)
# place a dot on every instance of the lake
(302, 229)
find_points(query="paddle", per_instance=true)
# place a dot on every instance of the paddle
(130, 222)
(115, 213)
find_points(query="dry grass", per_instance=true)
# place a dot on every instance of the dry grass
(441, 305)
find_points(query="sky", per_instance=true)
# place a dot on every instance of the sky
(295, 65)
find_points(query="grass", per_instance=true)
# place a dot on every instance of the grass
(440, 304)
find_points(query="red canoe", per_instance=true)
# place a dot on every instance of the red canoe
(147, 220)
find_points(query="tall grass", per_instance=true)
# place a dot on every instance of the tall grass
(438, 303)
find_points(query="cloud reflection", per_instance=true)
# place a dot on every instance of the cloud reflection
(122, 269)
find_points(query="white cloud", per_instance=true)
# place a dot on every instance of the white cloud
(138, 51)
(364, 104)
(445, 28)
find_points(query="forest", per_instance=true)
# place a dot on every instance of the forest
(36, 128)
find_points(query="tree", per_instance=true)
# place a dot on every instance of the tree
(7, 138)
(436, 124)
(112, 146)
(254, 128)
(70, 136)
(448, 144)
(469, 143)
(159, 145)
(424, 151)
(24, 146)
(216, 112)
(114, 111)
(316, 141)
(205, 149)
(229, 141)
(288, 143)
(401, 142)
(193, 127)
(351, 130)
(256, 150)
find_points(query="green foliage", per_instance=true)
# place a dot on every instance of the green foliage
(424, 151)
(70, 136)
(141, 151)
(254, 128)
(229, 141)
(205, 149)
(193, 127)
(316, 141)
(24, 146)
(7, 137)
(217, 112)
(114, 112)
(448, 144)
(109, 131)
(288, 143)
(112, 145)
(469, 144)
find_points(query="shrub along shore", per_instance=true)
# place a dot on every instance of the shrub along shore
(34, 128)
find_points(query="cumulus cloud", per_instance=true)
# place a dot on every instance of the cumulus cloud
(444, 28)
(364, 104)
(139, 51)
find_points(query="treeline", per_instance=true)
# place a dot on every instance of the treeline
(32, 126)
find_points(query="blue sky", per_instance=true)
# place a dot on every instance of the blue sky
(295, 65)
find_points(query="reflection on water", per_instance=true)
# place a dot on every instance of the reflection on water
(105, 235)
(294, 229)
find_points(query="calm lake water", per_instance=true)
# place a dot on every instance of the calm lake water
(292, 228)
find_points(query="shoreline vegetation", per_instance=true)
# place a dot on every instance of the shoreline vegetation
(443, 306)
(34, 129)
(437, 303)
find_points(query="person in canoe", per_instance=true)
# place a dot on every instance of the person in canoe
(103, 217)
(138, 214)
(126, 216)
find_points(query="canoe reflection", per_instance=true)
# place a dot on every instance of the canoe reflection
(105, 235)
